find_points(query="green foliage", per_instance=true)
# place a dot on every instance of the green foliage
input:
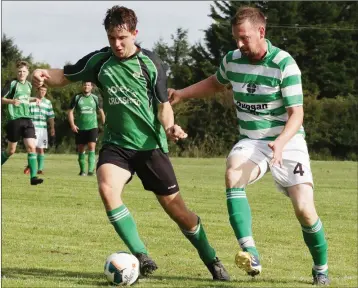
(331, 125)
(321, 36)
(176, 58)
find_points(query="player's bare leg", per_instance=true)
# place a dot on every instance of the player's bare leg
(111, 181)
(240, 171)
(193, 229)
(10, 150)
(301, 196)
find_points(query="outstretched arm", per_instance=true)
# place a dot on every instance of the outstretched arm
(204, 88)
(6, 97)
(50, 77)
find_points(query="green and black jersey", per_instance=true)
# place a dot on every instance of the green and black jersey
(22, 92)
(131, 90)
(86, 107)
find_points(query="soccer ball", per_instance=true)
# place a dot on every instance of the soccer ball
(121, 268)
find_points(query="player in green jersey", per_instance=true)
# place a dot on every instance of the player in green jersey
(139, 119)
(41, 114)
(85, 126)
(17, 95)
(266, 83)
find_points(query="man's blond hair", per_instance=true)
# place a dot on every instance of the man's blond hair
(251, 14)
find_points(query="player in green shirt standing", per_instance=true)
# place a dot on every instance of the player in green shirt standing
(85, 125)
(267, 93)
(139, 118)
(41, 114)
(17, 95)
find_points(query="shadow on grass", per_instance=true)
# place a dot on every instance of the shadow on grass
(78, 277)
(93, 279)
(261, 281)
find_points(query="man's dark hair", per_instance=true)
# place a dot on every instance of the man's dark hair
(119, 16)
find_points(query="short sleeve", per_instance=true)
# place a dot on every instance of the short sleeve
(291, 86)
(221, 72)
(73, 102)
(8, 89)
(85, 68)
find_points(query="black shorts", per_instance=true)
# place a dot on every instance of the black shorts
(153, 167)
(85, 136)
(21, 127)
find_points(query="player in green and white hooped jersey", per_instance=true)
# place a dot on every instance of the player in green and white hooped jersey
(139, 117)
(41, 114)
(85, 125)
(267, 92)
(17, 95)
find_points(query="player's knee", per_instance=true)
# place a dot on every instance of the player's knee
(104, 188)
(31, 149)
(234, 178)
(11, 151)
(306, 214)
(186, 220)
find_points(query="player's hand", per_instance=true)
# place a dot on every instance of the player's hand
(52, 132)
(38, 101)
(173, 96)
(277, 148)
(74, 128)
(39, 76)
(175, 133)
(16, 102)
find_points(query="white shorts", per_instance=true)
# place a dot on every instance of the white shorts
(296, 168)
(41, 138)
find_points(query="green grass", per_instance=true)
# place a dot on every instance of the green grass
(57, 234)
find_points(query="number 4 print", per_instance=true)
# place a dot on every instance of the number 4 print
(298, 169)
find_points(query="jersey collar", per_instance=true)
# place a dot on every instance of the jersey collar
(139, 49)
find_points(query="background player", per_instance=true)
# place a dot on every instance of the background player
(41, 114)
(85, 125)
(17, 95)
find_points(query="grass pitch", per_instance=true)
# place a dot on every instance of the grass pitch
(57, 234)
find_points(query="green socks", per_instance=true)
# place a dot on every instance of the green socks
(91, 160)
(317, 244)
(200, 242)
(126, 228)
(32, 162)
(4, 157)
(40, 161)
(240, 218)
(82, 161)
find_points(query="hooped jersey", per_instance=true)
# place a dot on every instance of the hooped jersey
(262, 91)
(41, 113)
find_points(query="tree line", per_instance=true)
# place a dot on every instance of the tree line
(321, 36)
